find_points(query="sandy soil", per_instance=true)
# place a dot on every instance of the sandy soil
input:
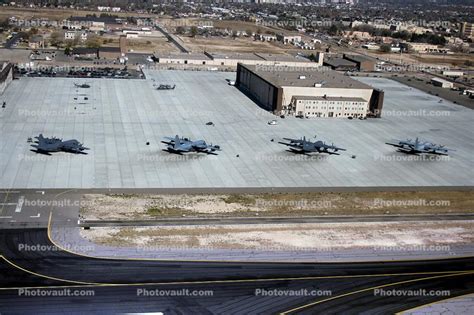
(437, 236)
(127, 207)
(242, 44)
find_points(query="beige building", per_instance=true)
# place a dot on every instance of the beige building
(323, 106)
(308, 92)
(231, 60)
(357, 35)
(467, 30)
(288, 39)
(423, 48)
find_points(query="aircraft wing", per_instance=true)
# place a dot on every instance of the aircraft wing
(333, 147)
(398, 144)
(402, 143)
(294, 140)
(293, 145)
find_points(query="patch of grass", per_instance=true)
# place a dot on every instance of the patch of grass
(239, 199)
(125, 196)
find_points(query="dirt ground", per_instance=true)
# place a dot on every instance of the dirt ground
(217, 44)
(436, 236)
(136, 207)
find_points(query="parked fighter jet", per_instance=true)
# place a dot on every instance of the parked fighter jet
(304, 146)
(165, 87)
(179, 145)
(416, 147)
(83, 85)
(46, 145)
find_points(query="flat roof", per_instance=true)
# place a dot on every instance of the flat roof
(109, 49)
(322, 98)
(277, 76)
(234, 56)
(337, 62)
(440, 80)
(188, 56)
(240, 56)
(281, 57)
(359, 58)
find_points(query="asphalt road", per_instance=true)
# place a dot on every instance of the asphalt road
(34, 274)
(29, 260)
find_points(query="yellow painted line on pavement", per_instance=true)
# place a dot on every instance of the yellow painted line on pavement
(232, 261)
(299, 308)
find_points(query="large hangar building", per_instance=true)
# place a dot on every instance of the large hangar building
(303, 92)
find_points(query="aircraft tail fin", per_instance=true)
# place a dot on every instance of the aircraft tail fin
(176, 142)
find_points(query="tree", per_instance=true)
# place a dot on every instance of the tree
(194, 31)
(180, 30)
(385, 48)
(33, 31)
(333, 30)
(55, 39)
(67, 51)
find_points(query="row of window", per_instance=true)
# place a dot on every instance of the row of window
(336, 108)
(333, 102)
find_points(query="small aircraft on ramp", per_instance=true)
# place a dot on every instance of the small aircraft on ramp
(82, 86)
(418, 147)
(304, 146)
(47, 145)
(179, 145)
(166, 87)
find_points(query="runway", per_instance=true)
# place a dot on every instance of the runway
(236, 287)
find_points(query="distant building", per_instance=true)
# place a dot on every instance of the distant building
(467, 30)
(114, 52)
(36, 42)
(309, 93)
(266, 37)
(85, 52)
(93, 23)
(363, 63)
(141, 31)
(232, 59)
(288, 39)
(423, 48)
(72, 35)
(453, 73)
(442, 83)
(357, 35)
(340, 64)
(109, 9)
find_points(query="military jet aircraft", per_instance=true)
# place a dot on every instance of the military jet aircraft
(47, 145)
(304, 146)
(417, 147)
(165, 87)
(179, 145)
(82, 86)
